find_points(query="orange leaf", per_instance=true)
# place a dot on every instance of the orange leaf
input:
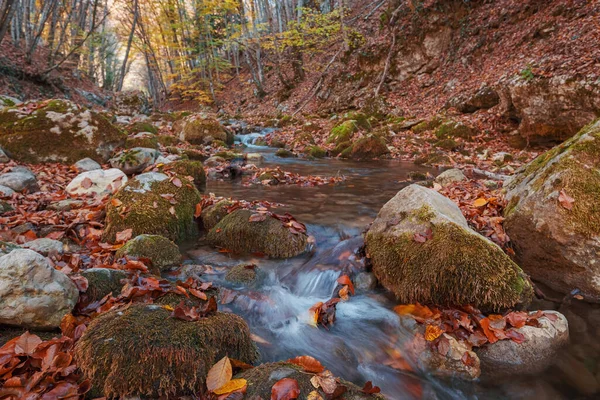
(432, 332)
(231, 386)
(480, 202)
(219, 374)
(198, 211)
(116, 202)
(27, 343)
(124, 236)
(285, 389)
(308, 363)
(345, 280)
(485, 325)
(565, 200)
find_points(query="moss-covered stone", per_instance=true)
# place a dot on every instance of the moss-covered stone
(5, 207)
(228, 155)
(317, 152)
(195, 169)
(243, 273)
(161, 252)
(455, 129)
(212, 215)
(284, 153)
(340, 148)
(152, 204)
(343, 132)
(260, 381)
(236, 233)
(200, 130)
(361, 119)
(148, 142)
(143, 351)
(59, 131)
(167, 140)
(102, 281)
(367, 148)
(428, 125)
(423, 251)
(138, 127)
(446, 144)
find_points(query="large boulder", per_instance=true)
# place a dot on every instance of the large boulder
(32, 293)
(57, 130)
(189, 168)
(200, 129)
(97, 182)
(550, 110)
(152, 203)
(537, 352)
(237, 233)
(366, 148)
(423, 250)
(161, 252)
(133, 161)
(553, 215)
(143, 351)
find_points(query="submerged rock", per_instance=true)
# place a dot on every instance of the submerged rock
(534, 355)
(143, 351)
(162, 252)
(423, 250)
(212, 215)
(236, 233)
(59, 131)
(32, 293)
(553, 215)
(155, 206)
(97, 182)
(243, 273)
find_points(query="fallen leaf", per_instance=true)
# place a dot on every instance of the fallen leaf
(432, 332)
(565, 200)
(285, 389)
(124, 235)
(231, 386)
(219, 374)
(480, 202)
(308, 363)
(370, 389)
(345, 280)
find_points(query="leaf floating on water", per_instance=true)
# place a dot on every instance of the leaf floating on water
(308, 363)
(285, 389)
(219, 374)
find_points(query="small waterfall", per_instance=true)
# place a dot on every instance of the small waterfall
(250, 138)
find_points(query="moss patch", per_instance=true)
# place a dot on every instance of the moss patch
(212, 215)
(195, 169)
(283, 153)
(159, 250)
(343, 132)
(143, 351)
(199, 130)
(102, 281)
(452, 268)
(138, 127)
(146, 211)
(236, 233)
(167, 140)
(452, 129)
(429, 125)
(317, 152)
(148, 142)
(243, 273)
(368, 148)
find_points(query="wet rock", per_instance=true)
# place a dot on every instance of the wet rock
(8, 101)
(20, 180)
(7, 247)
(551, 110)
(214, 161)
(236, 233)
(162, 252)
(366, 148)
(538, 351)
(45, 246)
(254, 157)
(365, 281)
(193, 169)
(531, 388)
(212, 215)
(158, 355)
(134, 160)
(98, 182)
(87, 164)
(102, 281)
(3, 157)
(553, 218)
(284, 153)
(5, 191)
(578, 376)
(423, 250)
(32, 293)
(243, 273)
(200, 130)
(450, 176)
(156, 206)
(417, 176)
(59, 131)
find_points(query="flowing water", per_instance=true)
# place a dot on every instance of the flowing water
(366, 336)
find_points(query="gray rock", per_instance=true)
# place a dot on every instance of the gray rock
(33, 294)
(450, 176)
(3, 157)
(97, 182)
(5, 207)
(20, 180)
(365, 281)
(8, 101)
(45, 246)
(66, 205)
(87, 164)
(7, 247)
(214, 161)
(538, 351)
(135, 160)
(5, 191)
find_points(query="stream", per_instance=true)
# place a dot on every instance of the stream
(366, 334)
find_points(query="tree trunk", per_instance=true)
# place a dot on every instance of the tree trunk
(129, 41)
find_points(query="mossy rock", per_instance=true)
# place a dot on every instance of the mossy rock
(162, 252)
(260, 381)
(367, 148)
(57, 131)
(557, 241)
(343, 132)
(173, 299)
(279, 144)
(192, 154)
(212, 215)
(243, 274)
(195, 169)
(5, 207)
(284, 153)
(148, 142)
(340, 148)
(317, 152)
(143, 351)
(440, 159)
(200, 130)
(428, 125)
(167, 140)
(138, 127)
(102, 281)
(229, 155)
(304, 138)
(143, 208)
(447, 144)
(361, 119)
(236, 233)
(423, 250)
(7, 247)
(455, 129)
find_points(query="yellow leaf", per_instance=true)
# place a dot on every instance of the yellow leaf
(231, 386)
(168, 308)
(480, 202)
(402, 309)
(432, 332)
(314, 395)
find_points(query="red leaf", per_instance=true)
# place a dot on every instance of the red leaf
(370, 389)
(177, 182)
(86, 183)
(308, 363)
(285, 389)
(345, 280)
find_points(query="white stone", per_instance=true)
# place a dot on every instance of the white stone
(45, 246)
(99, 182)
(450, 176)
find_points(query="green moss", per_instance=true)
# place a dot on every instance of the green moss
(452, 268)
(192, 154)
(284, 153)
(347, 152)
(447, 144)
(143, 351)
(148, 142)
(173, 299)
(427, 125)
(243, 273)
(362, 120)
(228, 155)
(102, 281)
(167, 140)
(236, 233)
(454, 129)
(212, 215)
(199, 130)
(279, 144)
(317, 152)
(77, 134)
(343, 132)
(147, 212)
(340, 148)
(161, 252)
(424, 214)
(368, 147)
(195, 169)
(138, 127)
(5, 207)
